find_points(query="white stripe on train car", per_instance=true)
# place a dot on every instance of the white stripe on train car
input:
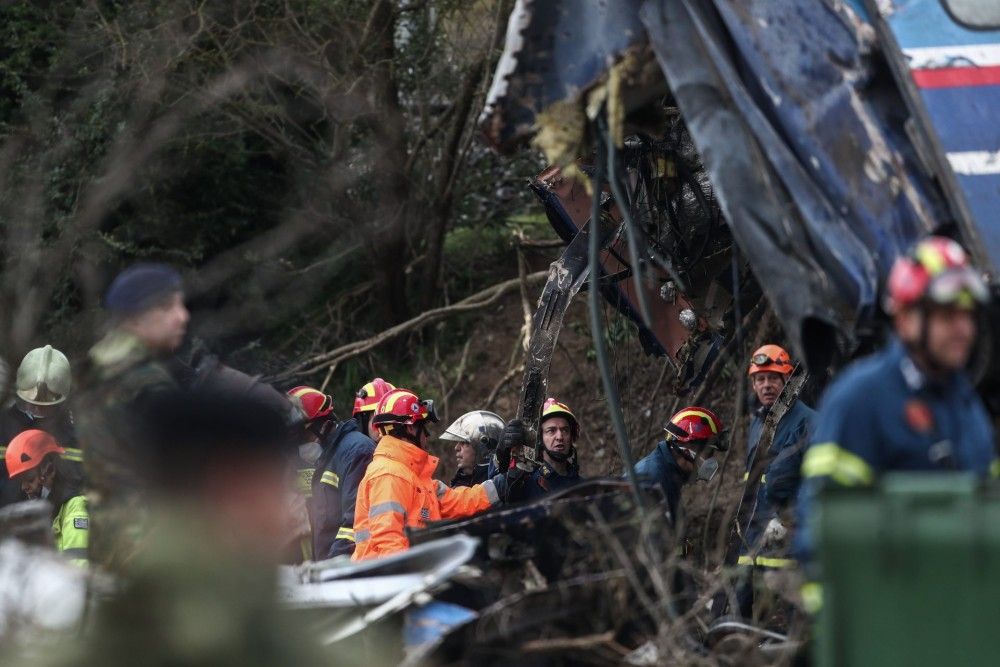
(975, 163)
(968, 55)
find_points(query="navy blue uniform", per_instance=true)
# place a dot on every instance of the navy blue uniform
(884, 414)
(781, 479)
(346, 455)
(659, 467)
(544, 479)
(479, 474)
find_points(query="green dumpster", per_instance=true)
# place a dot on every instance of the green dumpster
(910, 573)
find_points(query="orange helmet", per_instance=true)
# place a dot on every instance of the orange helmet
(937, 271)
(553, 408)
(402, 406)
(27, 450)
(770, 358)
(693, 424)
(314, 403)
(368, 397)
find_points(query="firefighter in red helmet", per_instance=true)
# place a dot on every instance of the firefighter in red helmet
(690, 438)
(398, 490)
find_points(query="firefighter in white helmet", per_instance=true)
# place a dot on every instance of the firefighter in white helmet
(475, 434)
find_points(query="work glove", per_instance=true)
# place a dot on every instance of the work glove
(514, 435)
(511, 486)
(774, 532)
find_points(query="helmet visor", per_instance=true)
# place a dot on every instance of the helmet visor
(431, 412)
(963, 288)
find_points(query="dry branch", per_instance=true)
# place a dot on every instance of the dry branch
(486, 297)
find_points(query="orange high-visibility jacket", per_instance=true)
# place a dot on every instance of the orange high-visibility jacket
(398, 491)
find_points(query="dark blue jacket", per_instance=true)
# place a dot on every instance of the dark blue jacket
(781, 479)
(346, 455)
(659, 467)
(479, 474)
(883, 414)
(545, 479)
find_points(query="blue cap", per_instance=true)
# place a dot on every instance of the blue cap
(140, 287)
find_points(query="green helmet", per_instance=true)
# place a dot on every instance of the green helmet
(44, 377)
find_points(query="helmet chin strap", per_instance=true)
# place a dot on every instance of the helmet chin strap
(561, 457)
(412, 438)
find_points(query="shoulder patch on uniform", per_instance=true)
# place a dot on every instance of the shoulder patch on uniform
(919, 416)
(81, 523)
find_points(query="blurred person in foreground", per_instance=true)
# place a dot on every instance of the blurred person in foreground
(910, 407)
(41, 389)
(147, 321)
(203, 590)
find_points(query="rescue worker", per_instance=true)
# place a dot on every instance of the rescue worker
(203, 590)
(764, 547)
(317, 417)
(911, 406)
(559, 430)
(476, 435)
(345, 455)
(41, 388)
(128, 370)
(365, 401)
(398, 490)
(35, 461)
(690, 437)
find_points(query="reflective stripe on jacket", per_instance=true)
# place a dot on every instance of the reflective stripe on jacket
(346, 455)
(71, 528)
(398, 492)
(883, 414)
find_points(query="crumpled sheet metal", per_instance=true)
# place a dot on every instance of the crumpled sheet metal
(797, 121)
(806, 151)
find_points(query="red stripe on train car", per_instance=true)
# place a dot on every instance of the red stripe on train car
(955, 77)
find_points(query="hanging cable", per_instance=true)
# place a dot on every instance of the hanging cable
(596, 328)
(630, 228)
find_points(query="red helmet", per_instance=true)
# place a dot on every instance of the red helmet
(27, 450)
(936, 271)
(402, 406)
(368, 397)
(770, 358)
(314, 403)
(694, 424)
(553, 408)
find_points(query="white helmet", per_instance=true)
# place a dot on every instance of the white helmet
(479, 428)
(44, 377)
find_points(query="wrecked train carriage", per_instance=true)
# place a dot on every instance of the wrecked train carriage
(825, 163)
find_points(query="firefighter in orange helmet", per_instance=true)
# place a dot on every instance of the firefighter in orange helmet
(398, 490)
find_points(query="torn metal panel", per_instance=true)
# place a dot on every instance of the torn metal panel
(555, 51)
(806, 146)
(566, 276)
(845, 157)
(764, 223)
